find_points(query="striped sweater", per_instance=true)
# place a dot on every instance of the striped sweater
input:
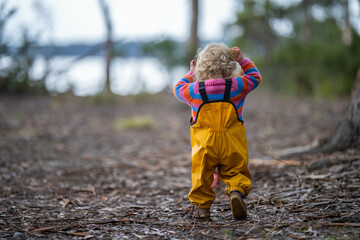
(187, 90)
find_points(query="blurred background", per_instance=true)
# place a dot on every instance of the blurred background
(90, 47)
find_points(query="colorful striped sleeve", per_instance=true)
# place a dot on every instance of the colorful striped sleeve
(183, 88)
(251, 78)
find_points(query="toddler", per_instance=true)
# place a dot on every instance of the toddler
(217, 130)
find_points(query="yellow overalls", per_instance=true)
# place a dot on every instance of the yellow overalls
(218, 140)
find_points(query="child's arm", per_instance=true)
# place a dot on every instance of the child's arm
(181, 90)
(251, 78)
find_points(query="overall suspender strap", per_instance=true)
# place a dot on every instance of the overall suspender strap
(202, 92)
(228, 83)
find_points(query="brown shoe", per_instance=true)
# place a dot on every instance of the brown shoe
(201, 212)
(238, 206)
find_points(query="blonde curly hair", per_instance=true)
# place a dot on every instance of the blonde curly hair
(214, 61)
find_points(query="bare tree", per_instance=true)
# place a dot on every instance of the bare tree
(306, 4)
(346, 32)
(194, 38)
(108, 44)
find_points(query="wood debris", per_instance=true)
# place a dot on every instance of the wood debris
(75, 176)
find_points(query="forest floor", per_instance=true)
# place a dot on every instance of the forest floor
(83, 168)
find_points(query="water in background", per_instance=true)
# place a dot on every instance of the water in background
(87, 76)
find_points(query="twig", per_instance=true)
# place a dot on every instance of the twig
(75, 233)
(306, 195)
(53, 228)
(250, 230)
(323, 216)
(192, 229)
(44, 229)
(271, 154)
(339, 224)
(276, 225)
(210, 236)
(80, 234)
(62, 220)
(297, 236)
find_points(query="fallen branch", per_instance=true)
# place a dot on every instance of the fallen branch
(50, 229)
(328, 162)
(62, 220)
(75, 233)
(256, 161)
(339, 224)
(323, 216)
(44, 229)
(53, 228)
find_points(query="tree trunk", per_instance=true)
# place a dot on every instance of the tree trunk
(307, 34)
(346, 32)
(194, 39)
(108, 45)
(347, 134)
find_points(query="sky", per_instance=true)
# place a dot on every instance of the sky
(69, 21)
(81, 21)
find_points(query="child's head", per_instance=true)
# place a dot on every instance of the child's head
(214, 61)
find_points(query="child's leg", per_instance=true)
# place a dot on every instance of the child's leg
(216, 178)
(233, 167)
(203, 167)
(234, 171)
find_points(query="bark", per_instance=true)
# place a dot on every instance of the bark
(347, 134)
(108, 44)
(308, 21)
(346, 32)
(194, 39)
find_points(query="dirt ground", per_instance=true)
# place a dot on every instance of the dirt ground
(85, 168)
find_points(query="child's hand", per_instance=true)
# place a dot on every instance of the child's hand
(239, 54)
(192, 65)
